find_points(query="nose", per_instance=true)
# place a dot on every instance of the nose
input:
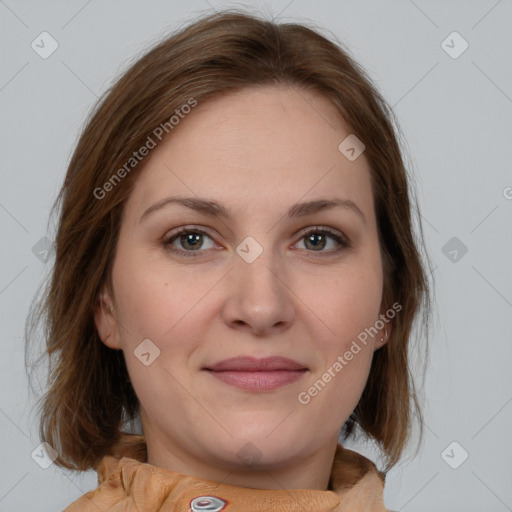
(259, 299)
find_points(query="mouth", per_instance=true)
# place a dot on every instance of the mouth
(257, 374)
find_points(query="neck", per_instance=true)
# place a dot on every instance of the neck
(290, 475)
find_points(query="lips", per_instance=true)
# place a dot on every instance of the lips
(253, 374)
(251, 364)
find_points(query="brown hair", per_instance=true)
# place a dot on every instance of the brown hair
(90, 396)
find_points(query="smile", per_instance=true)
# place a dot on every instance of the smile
(249, 373)
(258, 380)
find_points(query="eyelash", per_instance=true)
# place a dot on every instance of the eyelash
(342, 241)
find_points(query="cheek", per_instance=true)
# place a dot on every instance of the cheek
(154, 298)
(157, 302)
(346, 304)
(345, 353)
(347, 307)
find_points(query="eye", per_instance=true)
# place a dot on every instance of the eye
(317, 238)
(191, 241)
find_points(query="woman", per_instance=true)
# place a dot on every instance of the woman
(235, 265)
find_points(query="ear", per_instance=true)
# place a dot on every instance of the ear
(105, 320)
(385, 333)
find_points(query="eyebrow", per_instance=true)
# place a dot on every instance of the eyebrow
(214, 209)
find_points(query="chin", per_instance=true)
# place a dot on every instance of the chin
(259, 450)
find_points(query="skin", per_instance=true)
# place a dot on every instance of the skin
(257, 152)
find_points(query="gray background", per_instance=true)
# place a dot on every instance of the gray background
(456, 116)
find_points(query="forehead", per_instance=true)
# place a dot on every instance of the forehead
(265, 146)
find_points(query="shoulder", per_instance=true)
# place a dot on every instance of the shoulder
(358, 482)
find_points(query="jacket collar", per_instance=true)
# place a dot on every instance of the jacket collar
(355, 485)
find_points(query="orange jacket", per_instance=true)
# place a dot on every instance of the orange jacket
(127, 484)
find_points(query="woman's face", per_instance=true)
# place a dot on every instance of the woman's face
(259, 280)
